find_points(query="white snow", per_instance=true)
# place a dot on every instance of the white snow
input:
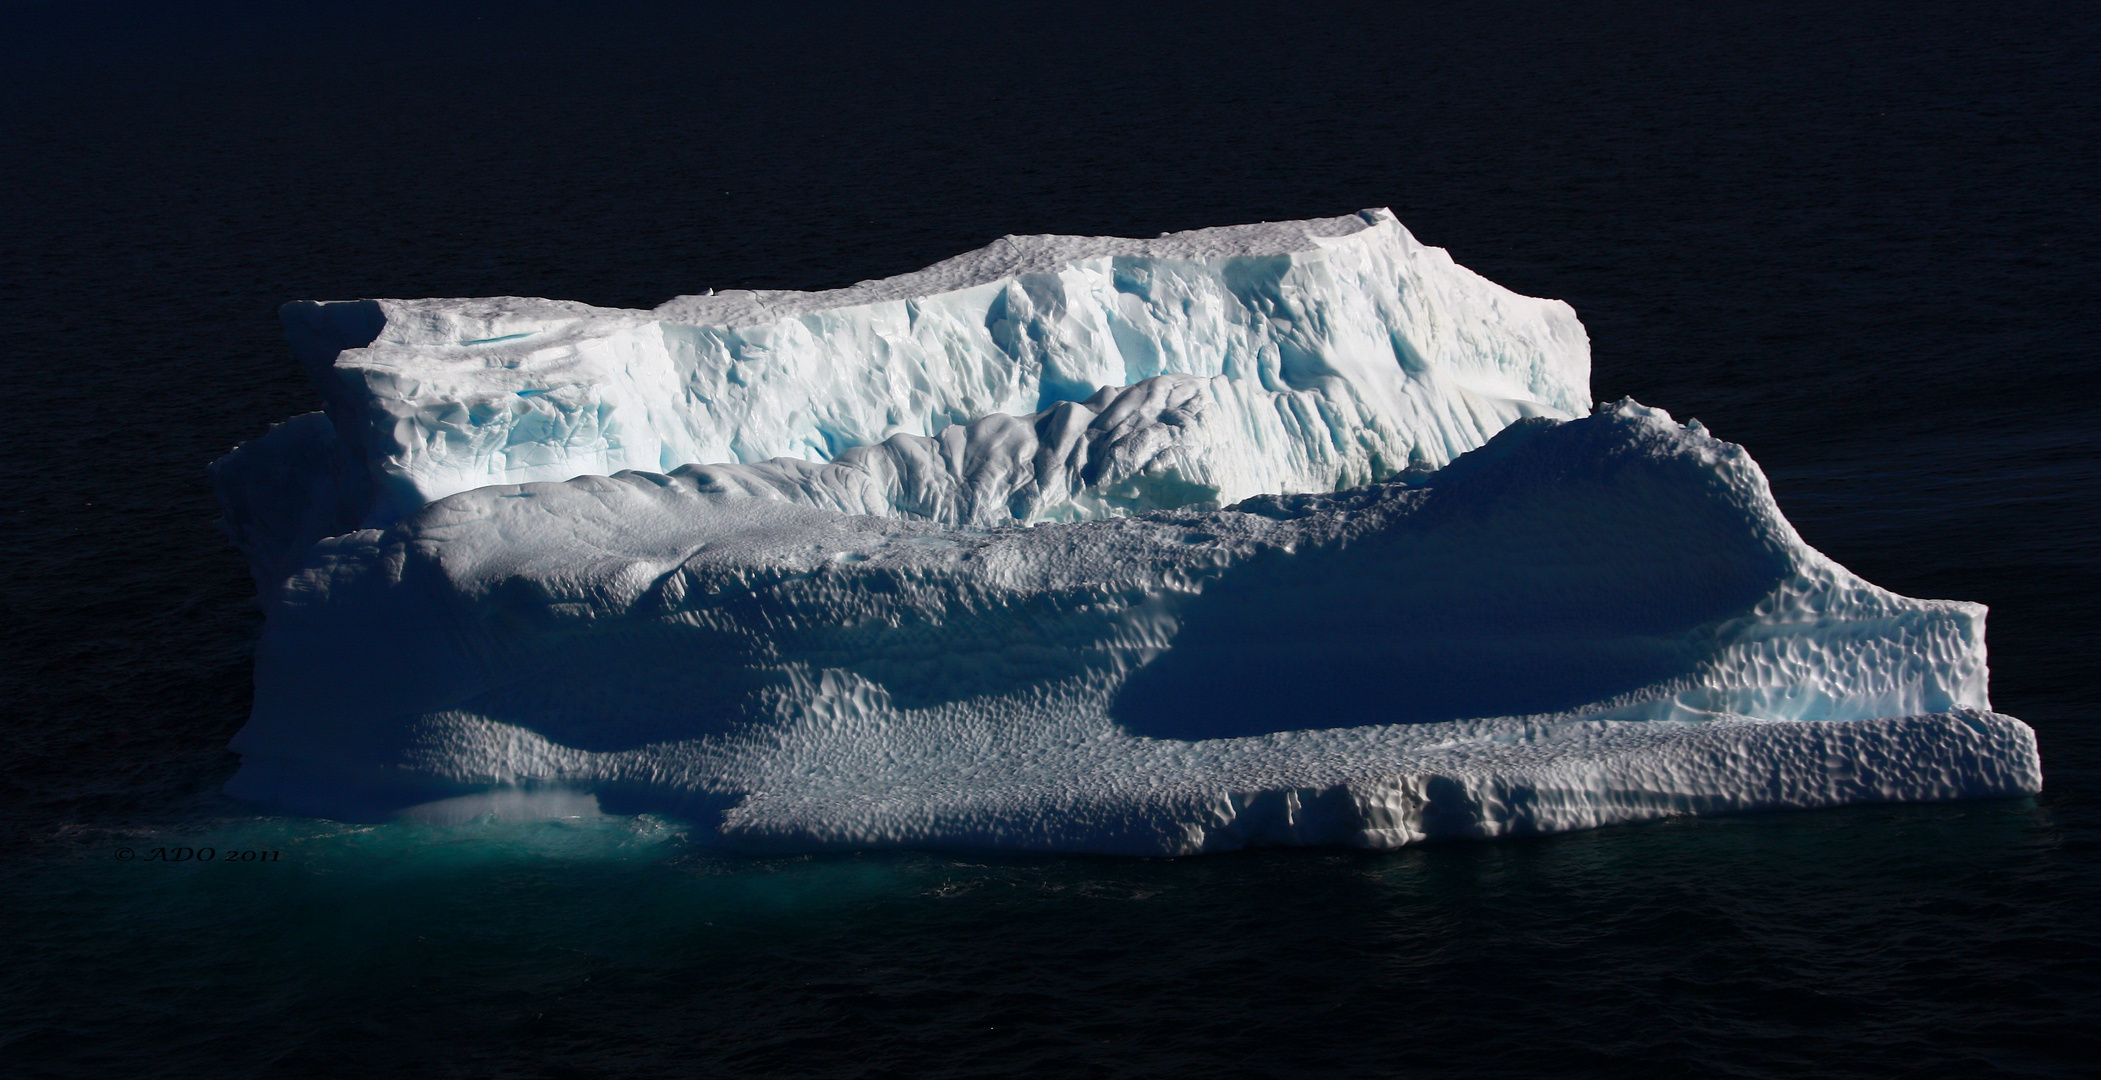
(1298, 356)
(1580, 623)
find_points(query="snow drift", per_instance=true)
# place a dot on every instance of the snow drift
(1280, 534)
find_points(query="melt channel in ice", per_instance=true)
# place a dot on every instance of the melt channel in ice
(1282, 534)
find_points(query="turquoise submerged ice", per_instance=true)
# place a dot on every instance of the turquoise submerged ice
(1284, 534)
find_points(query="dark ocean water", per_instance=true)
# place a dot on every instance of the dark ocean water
(1862, 242)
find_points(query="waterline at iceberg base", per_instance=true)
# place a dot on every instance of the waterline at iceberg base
(1444, 595)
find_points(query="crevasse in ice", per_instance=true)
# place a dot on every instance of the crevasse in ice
(1290, 533)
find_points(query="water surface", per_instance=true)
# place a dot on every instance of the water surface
(1862, 243)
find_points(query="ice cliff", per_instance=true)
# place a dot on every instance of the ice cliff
(1290, 533)
(1301, 356)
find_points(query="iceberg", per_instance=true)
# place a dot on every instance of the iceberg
(1283, 534)
(1296, 356)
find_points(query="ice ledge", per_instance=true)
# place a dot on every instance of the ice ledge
(1496, 784)
(1493, 779)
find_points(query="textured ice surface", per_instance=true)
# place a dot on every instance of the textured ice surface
(1289, 533)
(1286, 357)
(1580, 623)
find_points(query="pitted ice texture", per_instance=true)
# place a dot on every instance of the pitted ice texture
(1580, 623)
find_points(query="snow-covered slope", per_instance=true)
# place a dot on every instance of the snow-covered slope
(1312, 355)
(1275, 534)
